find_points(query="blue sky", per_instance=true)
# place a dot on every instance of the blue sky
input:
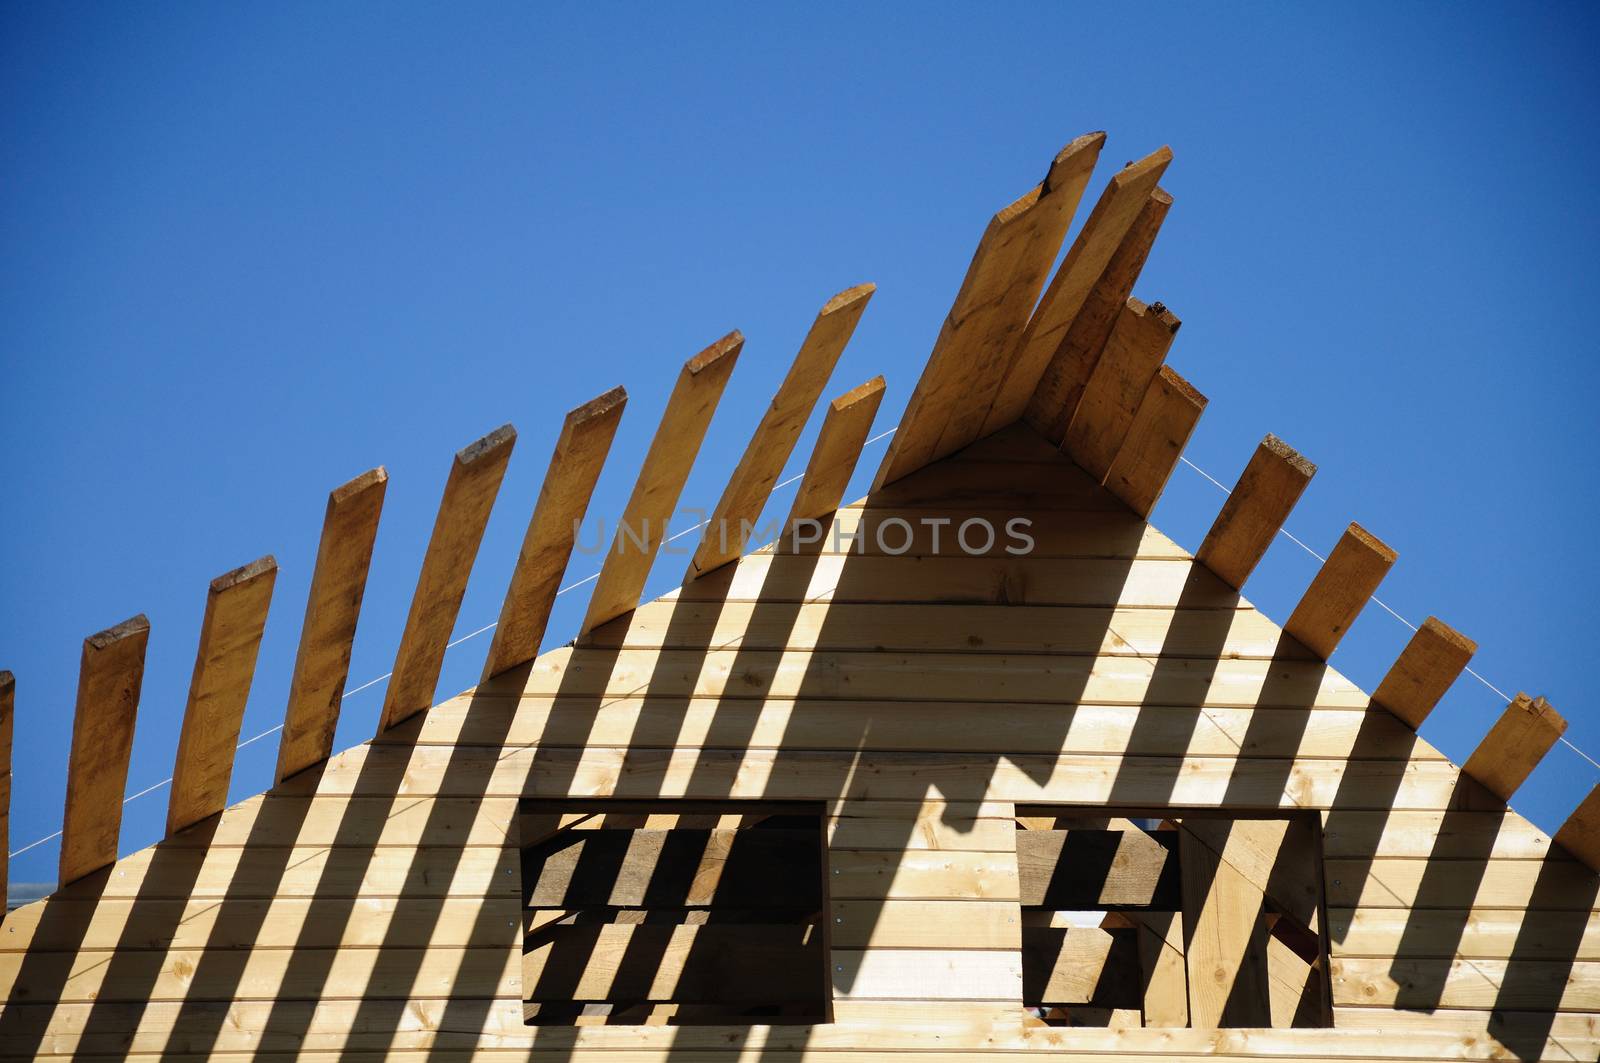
(247, 252)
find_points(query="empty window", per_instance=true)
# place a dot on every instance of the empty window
(672, 912)
(1171, 919)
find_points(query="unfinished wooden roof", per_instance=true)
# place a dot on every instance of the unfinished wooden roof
(947, 717)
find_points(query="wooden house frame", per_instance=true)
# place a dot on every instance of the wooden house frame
(1080, 798)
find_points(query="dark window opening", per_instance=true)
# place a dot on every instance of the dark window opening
(1172, 919)
(673, 912)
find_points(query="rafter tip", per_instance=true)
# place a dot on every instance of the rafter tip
(859, 293)
(599, 406)
(1298, 461)
(1372, 542)
(132, 627)
(728, 346)
(1434, 626)
(261, 566)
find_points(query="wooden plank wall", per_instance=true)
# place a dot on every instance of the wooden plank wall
(373, 907)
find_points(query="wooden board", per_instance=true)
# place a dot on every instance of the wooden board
(1255, 510)
(833, 458)
(1580, 834)
(1161, 428)
(1055, 398)
(1339, 591)
(1224, 934)
(110, 674)
(1102, 234)
(774, 439)
(1084, 869)
(643, 525)
(580, 454)
(469, 495)
(224, 664)
(1507, 755)
(338, 583)
(1133, 354)
(1419, 677)
(8, 702)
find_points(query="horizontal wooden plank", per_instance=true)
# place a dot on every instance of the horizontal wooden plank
(901, 826)
(664, 723)
(752, 868)
(1501, 834)
(222, 974)
(921, 875)
(980, 1031)
(926, 974)
(958, 578)
(745, 964)
(941, 924)
(1213, 633)
(1499, 984)
(280, 819)
(572, 672)
(1557, 885)
(1077, 868)
(802, 776)
(1476, 933)
(1019, 486)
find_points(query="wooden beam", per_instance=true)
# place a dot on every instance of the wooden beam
(838, 447)
(338, 582)
(224, 664)
(774, 439)
(1340, 590)
(469, 495)
(575, 466)
(8, 699)
(1166, 974)
(1580, 834)
(1293, 985)
(1255, 510)
(1278, 855)
(1085, 263)
(1056, 395)
(1419, 677)
(1161, 428)
(1073, 869)
(1515, 745)
(661, 479)
(990, 309)
(1138, 345)
(110, 675)
(1225, 937)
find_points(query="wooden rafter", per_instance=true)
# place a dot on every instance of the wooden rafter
(1525, 732)
(1580, 834)
(661, 478)
(1340, 590)
(224, 664)
(469, 495)
(952, 399)
(333, 605)
(1224, 935)
(1419, 677)
(1102, 234)
(110, 675)
(1055, 397)
(1255, 510)
(580, 454)
(1137, 346)
(774, 439)
(1161, 428)
(838, 448)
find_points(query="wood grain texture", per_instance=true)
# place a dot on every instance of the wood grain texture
(833, 460)
(1514, 746)
(333, 606)
(764, 458)
(655, 494)
(1137, 346)
(110, 674)
(580, 454)
(1419, 677)
(1155, 439)
(970, 356)
(1056, 395)
(224, 665)
(1580, 833)
(1086, 260)
(1339, 591)
(1255, 510)
(1224, 934)
(469, 494)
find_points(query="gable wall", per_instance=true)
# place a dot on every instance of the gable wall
(374, 905)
